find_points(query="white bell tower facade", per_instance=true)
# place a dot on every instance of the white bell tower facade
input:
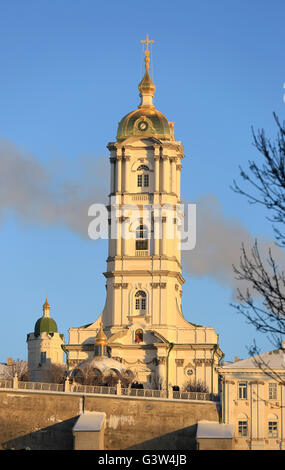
(142, 316)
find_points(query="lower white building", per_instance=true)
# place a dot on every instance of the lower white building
(253, 400)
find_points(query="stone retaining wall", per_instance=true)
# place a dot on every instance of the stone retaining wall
(44, 420)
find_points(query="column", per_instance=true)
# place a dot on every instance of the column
(173, 175)
(118, 237)
(156, 173)
(178, 176)
(156, 235)
(112, 176)
(119, 173)
(253, 407)
(161, 371)
(228, 402)
(282, 416)
(126, 186)
(164, 239)
(166, 174)
(179, 372)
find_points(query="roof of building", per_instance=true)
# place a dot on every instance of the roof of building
(273, 359)
(155, 124)
(214, 430)
(45, 325)
(103, 363)
(146, 121)
(90, 421)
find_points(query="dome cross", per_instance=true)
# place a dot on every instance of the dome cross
(147, 42)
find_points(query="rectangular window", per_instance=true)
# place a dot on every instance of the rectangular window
(272, 429)
(137, 304)
(272, 391)
(242, 390)
(146, 180)
(242, 428)
(143, 304)
(139, 181)
(43, 357)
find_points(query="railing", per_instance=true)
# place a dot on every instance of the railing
(41, 386)
(93, 389)
(144, 392)
(142, 253)
(102, 390)
(6, 383)
(195, 396)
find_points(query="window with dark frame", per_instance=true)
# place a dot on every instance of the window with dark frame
(272, 429)
(143, 178)
(242, 428)
(242, 390)
(142, 238)
(140, 298)
(272, 391)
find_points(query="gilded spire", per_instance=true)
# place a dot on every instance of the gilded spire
(101, 339)
(147, 42)
(46, 308)
(146, 86)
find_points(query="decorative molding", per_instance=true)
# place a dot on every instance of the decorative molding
(188, 366)
(119, 359)
(207, 362)
(155, 285)
(179, 362)
(117, 285)
(161, 360)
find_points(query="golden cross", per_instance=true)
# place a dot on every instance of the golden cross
(147, 42)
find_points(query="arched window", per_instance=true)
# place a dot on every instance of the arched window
(140, 299)
(142, 238)
(143, 176)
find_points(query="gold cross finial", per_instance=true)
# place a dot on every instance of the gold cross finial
(147, 42)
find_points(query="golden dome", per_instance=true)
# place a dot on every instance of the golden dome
(146, 121)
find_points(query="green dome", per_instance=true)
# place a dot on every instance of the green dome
(144, 122)
(45, 324)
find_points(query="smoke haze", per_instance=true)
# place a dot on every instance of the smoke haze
(35, 193)
(57, 195)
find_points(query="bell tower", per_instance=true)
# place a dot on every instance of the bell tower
(144, 261)
(142, 317)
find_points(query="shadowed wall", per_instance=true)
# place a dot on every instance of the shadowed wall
(44, 420)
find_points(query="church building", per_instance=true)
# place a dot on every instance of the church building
(142, 318)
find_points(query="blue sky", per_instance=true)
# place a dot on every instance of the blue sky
(69, 72)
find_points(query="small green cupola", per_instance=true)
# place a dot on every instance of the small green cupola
(45, 324)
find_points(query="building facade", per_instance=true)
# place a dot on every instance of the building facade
(143, 317)
(253, 401)
(45, 346)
